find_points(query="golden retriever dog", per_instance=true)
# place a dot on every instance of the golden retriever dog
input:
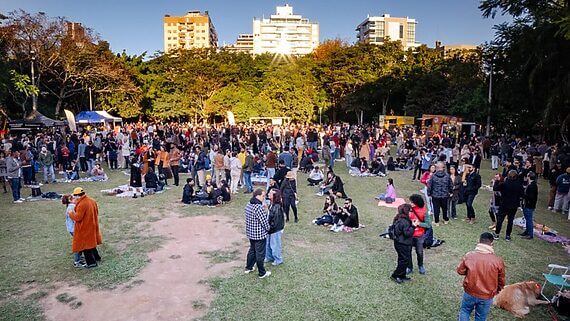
(519, 297)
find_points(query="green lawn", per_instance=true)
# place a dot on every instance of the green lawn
(326, 276)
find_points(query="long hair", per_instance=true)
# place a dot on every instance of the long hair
(332, 203)
(277, 199)
(66, 199)
(403, 213)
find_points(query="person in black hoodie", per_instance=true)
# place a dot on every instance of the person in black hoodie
(511, 192)
(188, 191)
(289, 191)
(472, 184)
(276, 226)
(530, 198)
(403, 232)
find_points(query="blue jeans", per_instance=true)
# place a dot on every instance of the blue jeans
(247, 181)
(16, 186)
(273, 248)
(481, 306)
(312, 145)
(528, 218)
(49, 173)
(331, 161)
(270, 174)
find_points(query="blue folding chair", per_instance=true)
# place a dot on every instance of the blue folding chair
(559, 280)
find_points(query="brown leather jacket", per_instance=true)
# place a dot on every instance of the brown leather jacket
(484, 274)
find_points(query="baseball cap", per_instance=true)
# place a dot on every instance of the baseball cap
(78, 190)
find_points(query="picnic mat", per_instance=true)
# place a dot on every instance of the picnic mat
(395, 204)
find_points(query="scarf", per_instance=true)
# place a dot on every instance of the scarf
(484, 248)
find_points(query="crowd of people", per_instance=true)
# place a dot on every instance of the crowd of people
(218, 160)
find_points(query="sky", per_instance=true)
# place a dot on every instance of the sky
(136, 26)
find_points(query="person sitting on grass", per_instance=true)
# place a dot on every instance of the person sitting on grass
(97, 173)
(315, 176)
(377, 167)
(72, 171)
(152, 184)
(331, 212)
(390, 196)
(188, 191)
(347, 218)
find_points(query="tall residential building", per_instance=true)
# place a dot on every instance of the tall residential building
(376, 29)
(194, 30)
(244, 43)
(285, 33)
(75, 31)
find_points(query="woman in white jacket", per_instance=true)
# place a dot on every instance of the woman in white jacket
(235, 172)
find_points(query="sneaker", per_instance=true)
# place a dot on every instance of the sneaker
(422, 270)
(333, 227)
(90, 266)
(496, 237)
(247, 271)
(397, 280)
(446, 222)
(409, 271)
(276, 264)
(492, 226)
(18, 202)
(267, 273)
(507, 238)
(436, 224)
(550, 208)
(406, 278)
(22, 199)
(79, 265)
(296, 220)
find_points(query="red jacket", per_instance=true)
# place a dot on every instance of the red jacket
(418, 213)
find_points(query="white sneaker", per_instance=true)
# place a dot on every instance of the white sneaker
(248, 271)
(18, 202)
(267, 273)
(333, 227)
(22, 199)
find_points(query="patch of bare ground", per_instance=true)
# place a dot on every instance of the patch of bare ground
(171, 286)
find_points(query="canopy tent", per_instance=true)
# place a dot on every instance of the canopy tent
(34, 120)
(93, 117)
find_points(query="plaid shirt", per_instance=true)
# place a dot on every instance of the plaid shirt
(256, 220)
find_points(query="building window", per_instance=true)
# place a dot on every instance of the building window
(401, 31)
(380, 30)
(411, 32)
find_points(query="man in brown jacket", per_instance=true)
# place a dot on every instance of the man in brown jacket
(219, 170)
(484, 277)
(86, 236)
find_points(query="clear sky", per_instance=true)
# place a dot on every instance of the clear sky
(136, 25)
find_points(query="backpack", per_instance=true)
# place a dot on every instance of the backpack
(206, 163)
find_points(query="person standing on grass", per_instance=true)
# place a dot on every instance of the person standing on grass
(14, 174)
(472, 184)
(422, 223)
(530, 198)
(561, 201)
(276, 225)
(256, 230)
(68, 201)
(439, 188)
(403, 232)
(289, 191)
(484, 278)
(86, 235)
(511, 193)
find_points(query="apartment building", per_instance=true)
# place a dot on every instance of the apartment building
(457, 50)
(193, 30)
(244, 43)
(376, 29)
(285, 33)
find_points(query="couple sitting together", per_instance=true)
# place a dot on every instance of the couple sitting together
(345, 218)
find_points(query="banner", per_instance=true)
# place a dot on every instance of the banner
(70, 120)
(231, 118)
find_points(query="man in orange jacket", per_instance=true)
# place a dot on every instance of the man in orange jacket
(87, 235)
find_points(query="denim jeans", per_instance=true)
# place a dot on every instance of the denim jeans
(90, 165)
(528, 212)
(452, 207)
(247, 181)
(49, 175)
(494, 162)
(256, 255)
(273, 247)
(16, 186)
(312, 145)
(428, 200)
(481, 306)
(270, 174)
(469, 203)
(348, 159)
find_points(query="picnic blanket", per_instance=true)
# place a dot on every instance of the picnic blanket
(395, 204)
(84, 179)
(543, 232)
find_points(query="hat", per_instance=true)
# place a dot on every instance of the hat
(208, 177)
(290, 174)
(78, 191)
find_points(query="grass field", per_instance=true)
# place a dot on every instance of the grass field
(326, 276)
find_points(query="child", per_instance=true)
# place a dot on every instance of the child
(70, 224)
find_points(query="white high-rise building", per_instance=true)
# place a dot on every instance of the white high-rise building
(285, 33)
(376, 29)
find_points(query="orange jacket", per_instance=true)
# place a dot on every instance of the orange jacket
(86, 216)
(164, 157)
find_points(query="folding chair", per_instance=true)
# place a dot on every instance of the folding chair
(560, 281)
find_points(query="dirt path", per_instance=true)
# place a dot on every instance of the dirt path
(169, 287)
